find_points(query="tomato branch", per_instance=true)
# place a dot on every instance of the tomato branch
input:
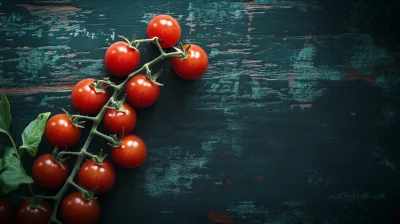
(89, 97)
(96, 121)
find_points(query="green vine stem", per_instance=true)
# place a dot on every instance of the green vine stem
(97, 119)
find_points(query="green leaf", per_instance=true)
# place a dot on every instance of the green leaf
(13, 175)
(32, 135)
(5, 116)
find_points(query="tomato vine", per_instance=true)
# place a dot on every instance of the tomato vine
(91, 99)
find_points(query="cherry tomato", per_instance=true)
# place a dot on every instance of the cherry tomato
(194, 66)
(141, 92)
(27, 214)
(48, 173)
(6, 211)
(75, 209)
(131, 153)
(98, 177)
(86, 100)
(166, 28)
(120, 59)
(116, 121)
(61, 132)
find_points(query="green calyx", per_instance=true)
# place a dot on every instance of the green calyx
(99, 158)
(75, 119)
(132, 43)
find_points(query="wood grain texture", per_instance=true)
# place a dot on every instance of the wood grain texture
(296, 120)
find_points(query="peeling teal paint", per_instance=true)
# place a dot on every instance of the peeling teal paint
(12, 18)
(268, 2)
(12, 25)
(216, 11)
(39, 33)
(289, 213)
(305, 92)
(52, 101)
(380, 154)
(388, 80)
(208, 146)
(93, 34)
(32, 60)
(214, 52)
(305, 59)
(94, 68)
(356, 197)
(246, 208)
(368, 55)
(175, 176)
(147, 17)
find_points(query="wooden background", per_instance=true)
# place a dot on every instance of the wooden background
(296, 120)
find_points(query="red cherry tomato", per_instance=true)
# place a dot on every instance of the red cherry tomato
(141, 92)
(85, 99)
(131, 153)
(61, 132)
(48, 173)
(116, 121)
(75, 209)
(27, 214)
(194, 66)
(120, 59)
(93, 176)
(166, 28)
(6, 211)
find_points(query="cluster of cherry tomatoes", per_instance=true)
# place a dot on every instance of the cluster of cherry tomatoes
(121, 59)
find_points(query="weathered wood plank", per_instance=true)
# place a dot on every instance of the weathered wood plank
(295, 121)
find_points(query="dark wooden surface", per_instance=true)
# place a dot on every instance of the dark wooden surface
(296, 120)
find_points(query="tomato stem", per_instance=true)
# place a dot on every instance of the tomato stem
(157, 40)
(96, 121)
(148, 71)
(78, 116)
(81, 189)
(70, 153)
(46, 197)
(108, 138)
(90, 154)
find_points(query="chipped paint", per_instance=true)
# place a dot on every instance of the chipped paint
(246, 208)
(380, 154)
(33, 60)
(356, 196)
(61, 22)
(54, 101)
(36, 89)
(206, 13)
(368, 56)
(174, 177)
(12, 25)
